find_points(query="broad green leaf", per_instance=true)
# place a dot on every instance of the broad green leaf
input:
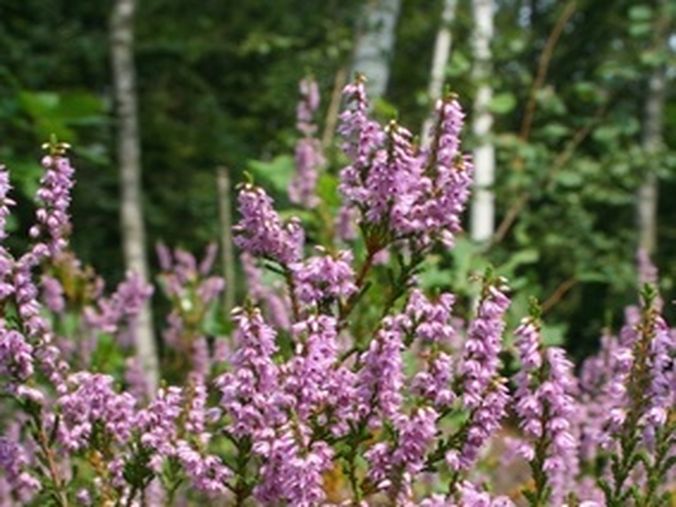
(502, 103)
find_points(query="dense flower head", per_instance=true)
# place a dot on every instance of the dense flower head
(471, 496)
(480, 359)
(293, 466)
(662, 366)
(261, 231)
(416, 433)
(13, 463)
(639, 393)
(393, 467)
(325, 277)
(307, 374)
(415, 194)
(16, 356)
(53, 219)
(207, 473)
(431, 319)
(434, 382)
(546, 407)
(251, 394)
(26, 297)
(6, 261)
(484, 420)
(93, 405)
(158, 424)
(446, 180)
(380, 378)
(362, 135)
(122, 307)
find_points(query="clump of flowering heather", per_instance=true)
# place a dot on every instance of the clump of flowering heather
(344, 383)
(192, 291)
(545, 406)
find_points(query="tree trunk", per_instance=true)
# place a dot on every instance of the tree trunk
(482, 220)
(129, 160)
(442, 52)
(375, 44)
(652, 142)
(227, 256)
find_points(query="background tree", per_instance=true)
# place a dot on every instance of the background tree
(483, 201)
(129, 160)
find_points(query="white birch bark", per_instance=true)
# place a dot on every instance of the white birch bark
(375, 44)
(129, 160)
(647, 197)
(442, 52)
(482, 219)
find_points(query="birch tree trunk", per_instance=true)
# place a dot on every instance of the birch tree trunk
(375, 44)
(129, 160)
(482, 219)
(442, 52)
(227, 255)
(647, 197)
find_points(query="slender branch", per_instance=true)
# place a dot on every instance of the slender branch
(334, 108)
(558, 294)
(291, 283)
(48, 453)
(543, 67)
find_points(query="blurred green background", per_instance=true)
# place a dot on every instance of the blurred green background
(217, 84)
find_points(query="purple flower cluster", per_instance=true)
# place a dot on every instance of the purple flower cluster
(309, 157)
(418, 195)
(16, 356)
(395, 467)
(53, 219)
(157, 424)
(6, 261)
(250, 393)
(92, 406)
(122, 307)
(293, 466)
(381, 378)
(480, 359)
(262, 233)
(192, 292)
(310, 375)
(325, 278)
(430, 322)
(484, 420)
(13, 463)
(545, 405)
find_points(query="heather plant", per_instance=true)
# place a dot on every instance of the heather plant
(329, 391)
